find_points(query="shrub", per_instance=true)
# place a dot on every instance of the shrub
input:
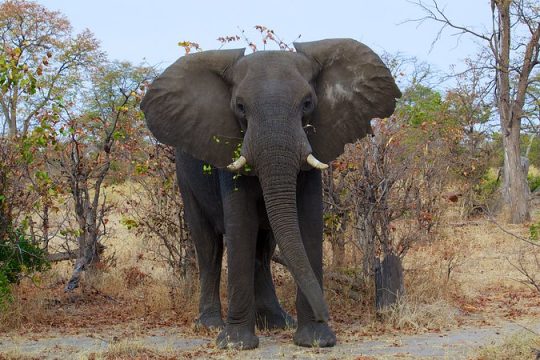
(487, 187)
(534, 182)
(18, 256)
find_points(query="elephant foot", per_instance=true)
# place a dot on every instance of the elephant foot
(210, 321)
(267, 320)
(239, 338)
(315, 334)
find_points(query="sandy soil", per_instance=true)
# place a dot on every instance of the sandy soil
(455, 344)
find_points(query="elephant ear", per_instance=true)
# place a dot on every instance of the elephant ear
(188, 106)
(353, 86)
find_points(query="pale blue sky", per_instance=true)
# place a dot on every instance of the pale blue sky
(150, 29)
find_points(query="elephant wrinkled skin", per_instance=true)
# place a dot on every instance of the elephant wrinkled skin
(276, 117)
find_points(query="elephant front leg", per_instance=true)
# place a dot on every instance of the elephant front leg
(311, 333)
(241, 227)
(269, 313)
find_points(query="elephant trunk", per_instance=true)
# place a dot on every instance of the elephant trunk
(278, 163)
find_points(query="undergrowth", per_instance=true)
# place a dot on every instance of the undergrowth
(18, 258)
(520, 346)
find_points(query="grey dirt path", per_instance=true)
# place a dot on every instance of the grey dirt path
(455, 344)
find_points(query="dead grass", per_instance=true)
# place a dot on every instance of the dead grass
(419, 316)
(534, 171)
(428, 305)
(126, 349)
(15, 355)
(520, 346)
(105, 298)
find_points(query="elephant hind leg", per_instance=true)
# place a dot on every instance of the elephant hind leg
(270, 314)
(209, 248)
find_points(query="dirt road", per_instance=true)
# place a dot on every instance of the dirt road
(456, 344)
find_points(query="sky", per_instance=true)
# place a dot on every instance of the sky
(149, 30)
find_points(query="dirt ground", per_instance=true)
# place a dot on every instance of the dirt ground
(168, 342)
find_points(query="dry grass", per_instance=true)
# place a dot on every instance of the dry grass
(520, 346)
(534, 171)
(32, 302)
(16, 355)
(126, 349)
(419, 316)
(429, 303)
(107, 297)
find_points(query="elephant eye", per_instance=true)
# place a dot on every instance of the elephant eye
(240, 109)
(307, 106)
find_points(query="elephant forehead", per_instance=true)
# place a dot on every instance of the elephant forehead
(274, 64)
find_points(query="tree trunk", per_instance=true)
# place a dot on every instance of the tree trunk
(515, 188)
(89, 248)
(389, 283)
(366, 239)
(89, 255)
(12, 120)
(338, 250)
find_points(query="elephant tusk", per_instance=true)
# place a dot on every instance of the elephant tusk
(237, 164)
(312, 160)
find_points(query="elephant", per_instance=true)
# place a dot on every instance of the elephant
(265, 124)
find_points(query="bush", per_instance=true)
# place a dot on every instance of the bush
(534, 182)
(18, 256)
(489, 184)
(487, 187)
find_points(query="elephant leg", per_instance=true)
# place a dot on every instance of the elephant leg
(311, 333)
(241, 227)
(269, 313)
(209, 248)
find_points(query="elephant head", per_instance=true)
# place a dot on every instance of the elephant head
(281, 112)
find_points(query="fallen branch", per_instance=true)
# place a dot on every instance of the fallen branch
(63, 256)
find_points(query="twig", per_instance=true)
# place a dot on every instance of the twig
(525, 328)
(490, 219)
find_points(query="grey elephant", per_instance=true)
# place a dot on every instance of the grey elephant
(267, 123)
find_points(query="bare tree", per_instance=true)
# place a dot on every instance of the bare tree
(337, 207)
(513, 47)
(395, 182)
(155, 211)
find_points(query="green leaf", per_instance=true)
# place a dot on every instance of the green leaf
(129, 223)
(119, 135)
(207, 169)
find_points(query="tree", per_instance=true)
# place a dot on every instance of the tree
(40, 61)
(40, 58)
(512, 49)
(97, 126)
